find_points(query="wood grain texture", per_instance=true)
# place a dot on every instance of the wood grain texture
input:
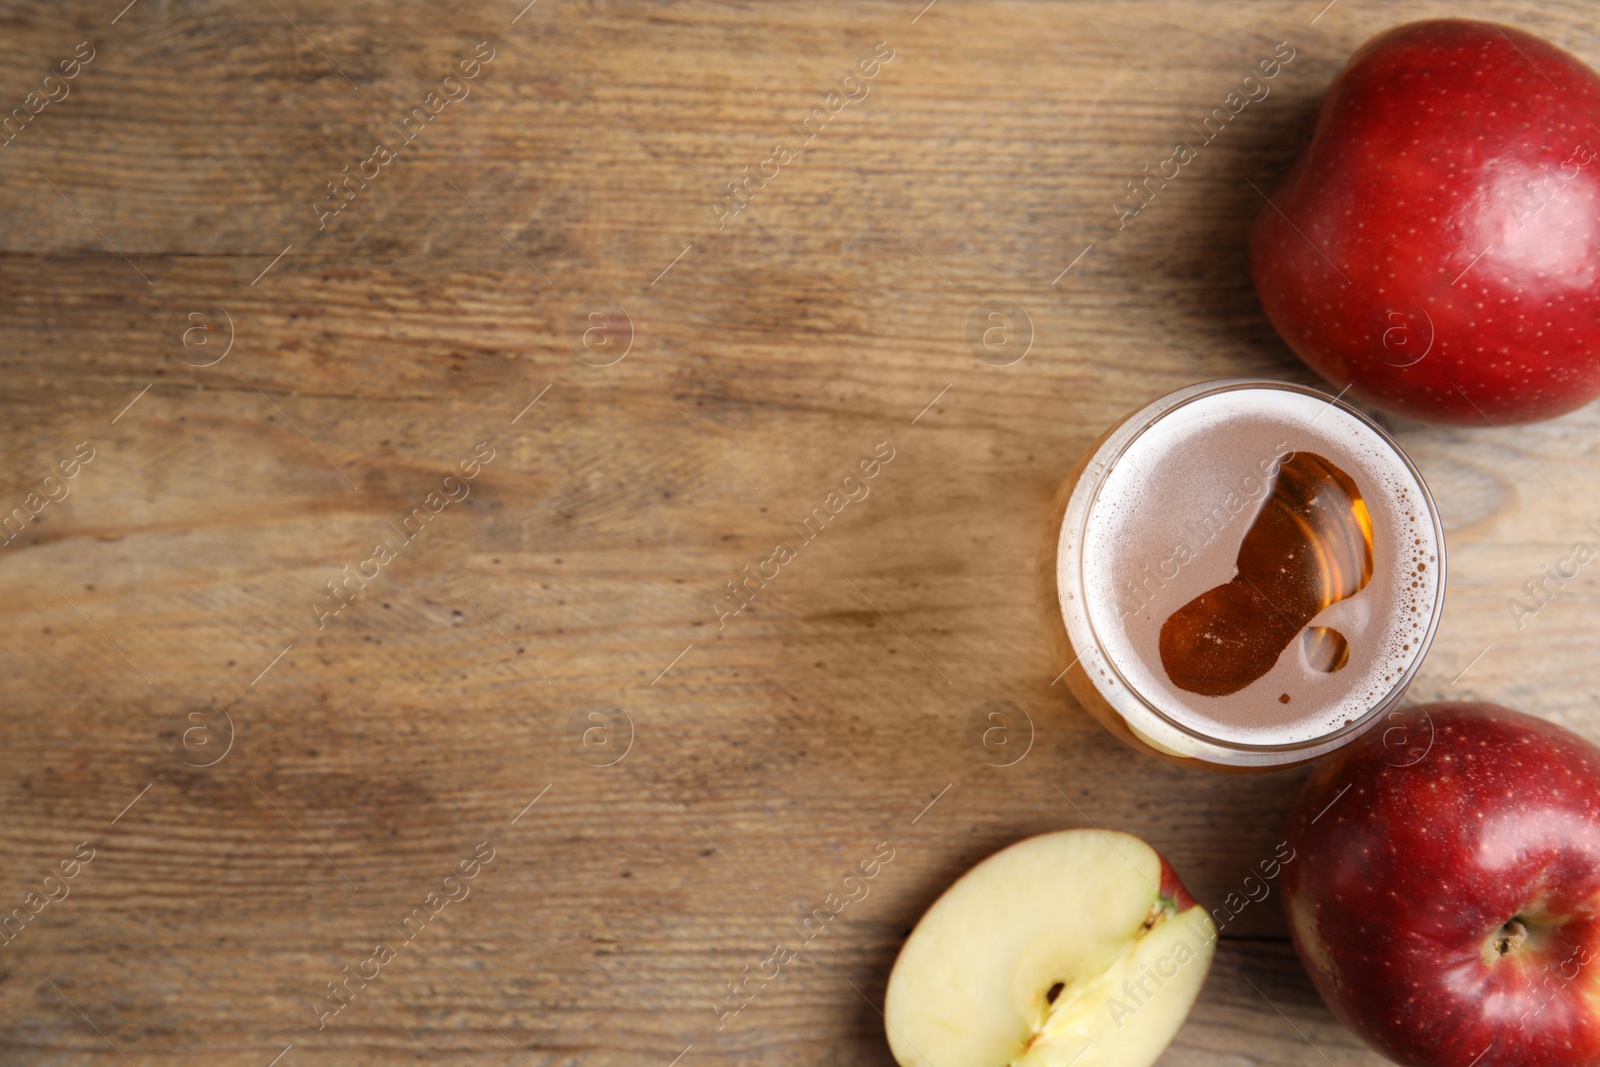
(765, 361)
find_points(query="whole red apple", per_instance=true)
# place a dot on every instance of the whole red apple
(1437, 244)
(1445, 897)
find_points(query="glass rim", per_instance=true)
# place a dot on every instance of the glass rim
(1101, 462)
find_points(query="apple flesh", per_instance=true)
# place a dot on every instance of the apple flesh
(1437, 244)
(1446, 898)
(1079, 947)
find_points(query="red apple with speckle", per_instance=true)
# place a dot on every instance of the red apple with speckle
(1445, 895)
(1436, 246)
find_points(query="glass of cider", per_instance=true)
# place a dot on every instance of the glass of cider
(1244, 574)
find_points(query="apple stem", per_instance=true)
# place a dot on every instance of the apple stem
(1512, 935)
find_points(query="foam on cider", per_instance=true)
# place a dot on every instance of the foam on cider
(1167, 547)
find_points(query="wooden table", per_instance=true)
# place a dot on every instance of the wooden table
(552, 265)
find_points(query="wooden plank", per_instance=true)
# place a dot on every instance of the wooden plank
(584, 567)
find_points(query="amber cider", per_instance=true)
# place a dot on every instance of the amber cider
(1243, 575)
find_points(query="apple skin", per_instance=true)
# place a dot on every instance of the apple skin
(1426, 152)
(1173, 889)
(1417, 846)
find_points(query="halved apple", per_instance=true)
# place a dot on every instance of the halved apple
(1079, 947)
